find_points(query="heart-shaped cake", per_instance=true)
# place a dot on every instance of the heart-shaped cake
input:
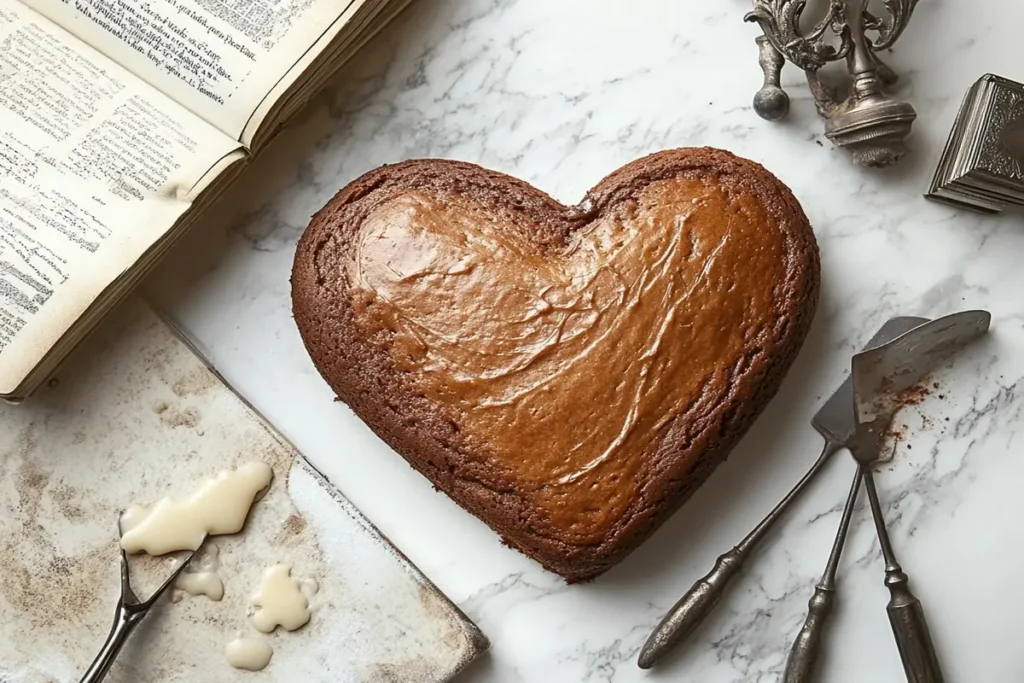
(568, 374)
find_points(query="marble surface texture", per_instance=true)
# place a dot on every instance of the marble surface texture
(560, 93)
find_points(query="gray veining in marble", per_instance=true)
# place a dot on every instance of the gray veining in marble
(560, 94)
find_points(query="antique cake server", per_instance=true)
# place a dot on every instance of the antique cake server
(880, 376)
(919, 351)
(835, 422)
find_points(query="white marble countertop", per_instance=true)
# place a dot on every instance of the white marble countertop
(561, 94)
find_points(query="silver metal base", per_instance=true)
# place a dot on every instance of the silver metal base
(860, 117)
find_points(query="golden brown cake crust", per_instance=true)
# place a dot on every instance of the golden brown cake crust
(356, 352)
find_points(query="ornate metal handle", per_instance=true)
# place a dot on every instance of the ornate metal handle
(770, 102)
(698, 602)
(906, 616)
(804, 654)
(780, 20)
(691, 609)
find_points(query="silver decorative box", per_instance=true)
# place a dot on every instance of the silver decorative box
(982, 165)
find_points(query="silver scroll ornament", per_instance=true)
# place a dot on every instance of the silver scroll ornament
(863, 120)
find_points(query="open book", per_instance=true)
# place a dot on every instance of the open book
(119, 122)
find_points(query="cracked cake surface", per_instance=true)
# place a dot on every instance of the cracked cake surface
(568, 374)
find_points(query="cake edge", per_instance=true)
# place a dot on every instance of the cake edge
(499, 509)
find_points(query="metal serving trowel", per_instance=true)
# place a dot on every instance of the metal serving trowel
(835, 422)
(880, 376)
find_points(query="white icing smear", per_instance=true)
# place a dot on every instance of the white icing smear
(280, 601)
(251, 654)
(219, 506)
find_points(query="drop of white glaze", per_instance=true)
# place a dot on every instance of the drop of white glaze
(219, 506)
(200, 577)
(251, 654)
(207, 559)
(201, 583)
(280, 601)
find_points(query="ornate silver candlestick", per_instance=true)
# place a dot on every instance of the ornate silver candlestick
(867, 122)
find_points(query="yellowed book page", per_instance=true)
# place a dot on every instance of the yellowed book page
(285, 84)
(95, 167)
(218, 58)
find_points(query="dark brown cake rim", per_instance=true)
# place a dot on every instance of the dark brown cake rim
(428, 446)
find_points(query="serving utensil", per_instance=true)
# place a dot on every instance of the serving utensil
(880, 375)
(803, 656)
(129, 613)
(835, 422)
